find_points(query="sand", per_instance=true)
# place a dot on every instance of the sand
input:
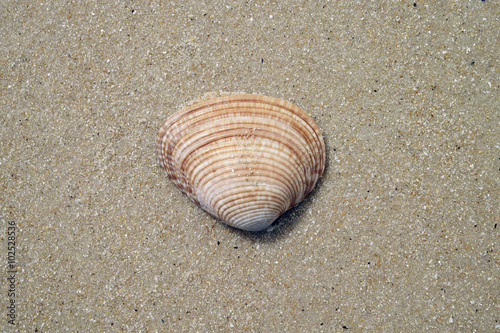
(400, 234)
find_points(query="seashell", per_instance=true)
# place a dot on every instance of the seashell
(245, 159)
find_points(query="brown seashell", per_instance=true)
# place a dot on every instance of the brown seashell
(245, 159)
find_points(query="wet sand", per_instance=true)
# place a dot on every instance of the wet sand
(400, 234)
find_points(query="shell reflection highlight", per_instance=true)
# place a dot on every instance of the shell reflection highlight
(245, 159)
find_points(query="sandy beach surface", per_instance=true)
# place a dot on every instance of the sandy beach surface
(400, 234)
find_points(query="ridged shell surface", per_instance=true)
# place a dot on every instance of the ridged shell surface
(245, 159)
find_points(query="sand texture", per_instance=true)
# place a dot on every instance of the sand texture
(400, 235)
